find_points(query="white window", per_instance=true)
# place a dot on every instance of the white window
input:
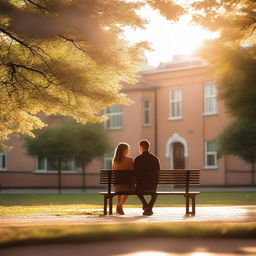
(175, 104)
(210, 99)
(47, 165)
(3, 166)
(107, 161)
(211, 154)
(146, 113)
(115, 117)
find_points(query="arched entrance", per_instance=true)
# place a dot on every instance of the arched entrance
(177, 151)
(178, 156)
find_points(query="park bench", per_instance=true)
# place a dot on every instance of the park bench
(178, 178)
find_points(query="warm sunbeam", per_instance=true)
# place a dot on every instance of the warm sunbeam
(168, 38)
(158, 253)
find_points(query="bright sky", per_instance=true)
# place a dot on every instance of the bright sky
(168, 38)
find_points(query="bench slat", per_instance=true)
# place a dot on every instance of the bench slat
(164, 176)
(158, 193)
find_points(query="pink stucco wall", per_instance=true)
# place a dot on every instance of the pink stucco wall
(194, 128)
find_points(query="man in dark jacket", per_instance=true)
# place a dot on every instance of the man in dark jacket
(147, 166)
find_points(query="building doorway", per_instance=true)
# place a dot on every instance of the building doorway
(178, 156)
(177, 151)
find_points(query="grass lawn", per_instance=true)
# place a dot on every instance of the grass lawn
(85, 203)
(80, 203)
(99, 232)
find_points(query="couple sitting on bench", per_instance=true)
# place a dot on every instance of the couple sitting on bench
(147, 166)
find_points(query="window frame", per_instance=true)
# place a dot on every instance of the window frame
(173, 101)
(210, 97)
(109, 115)
(207, 153)
(107, 157)
(5, 155)
(53, 171)
(149, 113)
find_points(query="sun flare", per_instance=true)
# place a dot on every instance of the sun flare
(168, 38)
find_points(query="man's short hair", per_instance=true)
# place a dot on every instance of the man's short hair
(145, 144)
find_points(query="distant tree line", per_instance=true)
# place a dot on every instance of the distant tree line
(69, 141)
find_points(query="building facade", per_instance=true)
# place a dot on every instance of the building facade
(175, 106)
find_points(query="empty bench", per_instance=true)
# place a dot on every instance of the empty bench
(177, 177)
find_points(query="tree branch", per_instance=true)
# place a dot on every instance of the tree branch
(40, 7)
(13, 67)
(18, 40)
(73, 41)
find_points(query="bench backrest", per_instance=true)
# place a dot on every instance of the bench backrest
(173, 177)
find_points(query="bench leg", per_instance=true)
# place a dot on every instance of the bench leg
(110, 205)
(193, 205)
(105, 205)
(187, 205)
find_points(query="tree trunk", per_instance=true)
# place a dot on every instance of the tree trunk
(83, 171)
(253, 171)
(59, 177)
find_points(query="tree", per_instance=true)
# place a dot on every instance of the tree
(239, 138)
(233, 53)
(91, 141)
(233, 19)
(234, 71)
(55, 143)
(68, 141)
(232, 56)
(67, 57)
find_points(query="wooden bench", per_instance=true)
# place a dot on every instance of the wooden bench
(176, 177)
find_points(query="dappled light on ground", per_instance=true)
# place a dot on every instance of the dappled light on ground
(132, 215)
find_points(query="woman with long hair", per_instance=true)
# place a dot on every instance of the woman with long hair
(121, 161)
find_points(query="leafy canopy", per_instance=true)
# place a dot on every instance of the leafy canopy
(233, 53)
(67, 57)
(69, 140)
(239, 138)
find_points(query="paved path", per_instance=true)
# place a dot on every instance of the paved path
(134, 215)
(142, 247)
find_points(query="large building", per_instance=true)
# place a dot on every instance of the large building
(175, 107)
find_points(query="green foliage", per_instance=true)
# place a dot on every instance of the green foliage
(67, 57)
(234, 71)
(233, 19)
(69, 140)
(91, 140)
(53, 142)
(233, 59)
(168, 8)
(239, 138)
(234, 64)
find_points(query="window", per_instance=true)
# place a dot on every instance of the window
(175, 106)
(146, 113)
(107, 160)
(115, 117)
(2, 161)
(46, 165)
(211, 154)
(210, 103)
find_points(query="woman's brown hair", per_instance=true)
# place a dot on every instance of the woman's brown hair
(119, 152)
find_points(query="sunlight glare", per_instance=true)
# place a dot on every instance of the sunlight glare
(201, 254)
(251, 250)
(147, 253)
(168, 38)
